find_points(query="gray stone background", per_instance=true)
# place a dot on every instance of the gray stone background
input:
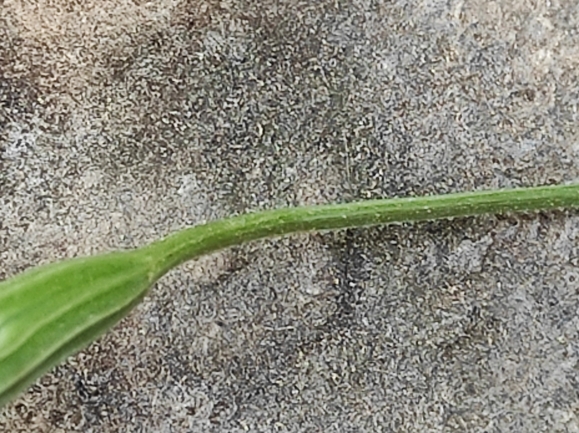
(121, 121)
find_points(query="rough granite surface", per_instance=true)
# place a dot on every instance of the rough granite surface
(121, 121)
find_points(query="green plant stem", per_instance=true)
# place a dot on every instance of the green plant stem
(50, 312)
(206, 238)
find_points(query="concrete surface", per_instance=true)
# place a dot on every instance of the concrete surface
(121, 121)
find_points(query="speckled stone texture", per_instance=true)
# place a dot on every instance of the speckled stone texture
(121, 121)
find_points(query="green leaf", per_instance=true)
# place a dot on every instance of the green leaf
(52, 311)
